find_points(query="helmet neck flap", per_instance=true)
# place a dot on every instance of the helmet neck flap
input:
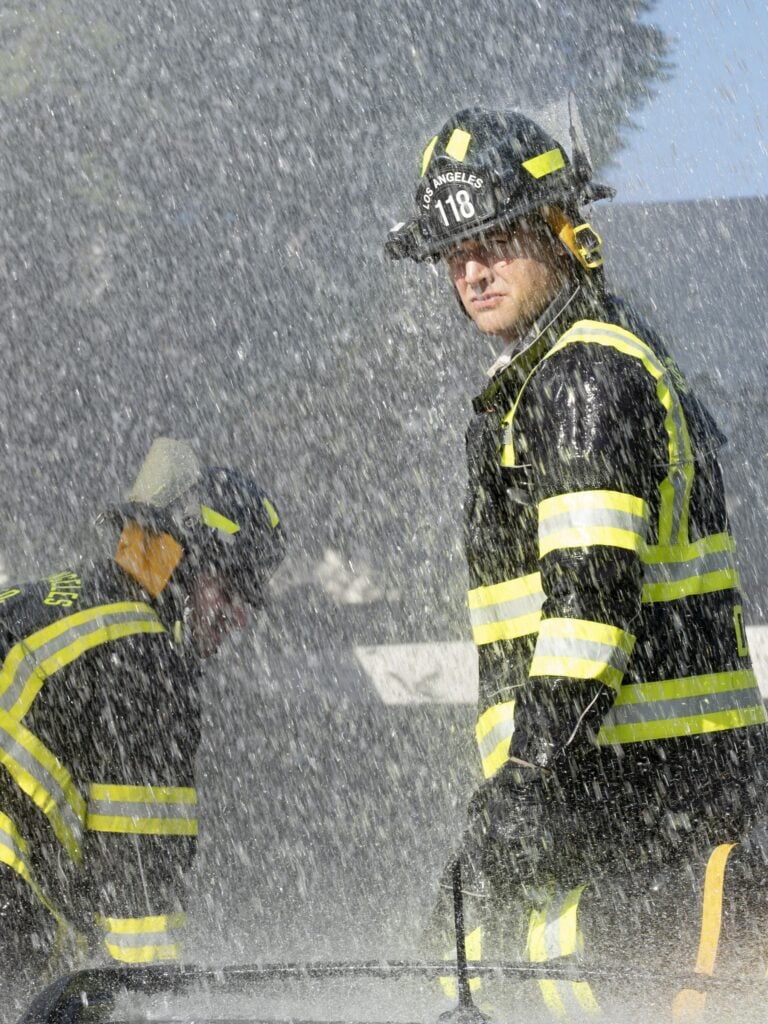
(183, 520)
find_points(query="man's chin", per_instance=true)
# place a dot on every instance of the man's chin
(491, 323)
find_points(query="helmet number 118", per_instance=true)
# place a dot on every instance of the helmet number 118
(460, 205)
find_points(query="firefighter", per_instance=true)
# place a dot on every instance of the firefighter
(619, 723)
(100, 721)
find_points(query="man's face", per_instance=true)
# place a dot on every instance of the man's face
(506, 279)
(216, 610)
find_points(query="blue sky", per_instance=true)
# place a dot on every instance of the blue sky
(706, 133)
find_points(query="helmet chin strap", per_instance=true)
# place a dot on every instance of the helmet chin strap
(582, 241)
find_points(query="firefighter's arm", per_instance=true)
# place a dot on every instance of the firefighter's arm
(591, 416)
(141, 823)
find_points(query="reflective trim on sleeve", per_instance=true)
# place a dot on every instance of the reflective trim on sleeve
(493, 733)
(142, 810)
(143, 940)
(45, 780)
(507, 610)
(31, 661)
(690, 706)
(473, 946)
(14, 853)
(553, 932)
(689, 1002)
(581, 649)
(678, 571)
(586, 518)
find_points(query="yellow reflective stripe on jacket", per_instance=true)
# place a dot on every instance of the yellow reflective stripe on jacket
(585, 518)
(14, 849)
(582, 650)
(506, 610)
(681, 570)
(142, 810)
(493, 732)
(473, 946)
(14, 852)
(45, 780)
(31, 661)
(689, 706)
(675, 490)
(689, 1002)
(553, 932)
(143, 940)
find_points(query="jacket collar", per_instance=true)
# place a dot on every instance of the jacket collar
(517, 360)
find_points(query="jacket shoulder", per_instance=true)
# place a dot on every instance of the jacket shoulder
(592, 398)
(76, 598)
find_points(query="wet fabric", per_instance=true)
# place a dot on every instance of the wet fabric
(99, 725)
(604, 594)
(604, 601)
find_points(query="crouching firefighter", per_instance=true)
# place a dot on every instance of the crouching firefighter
(619, 725)
(99, 717)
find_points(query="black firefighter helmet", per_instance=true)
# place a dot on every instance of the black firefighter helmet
(226, 525)
(486, 169)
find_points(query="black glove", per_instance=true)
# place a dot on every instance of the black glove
(556, 720)
(507, 834)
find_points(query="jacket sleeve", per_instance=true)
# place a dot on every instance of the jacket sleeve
(141, 822)
(588, 424)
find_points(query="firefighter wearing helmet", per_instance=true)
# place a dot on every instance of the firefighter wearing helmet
(619, 722)
(100, 722)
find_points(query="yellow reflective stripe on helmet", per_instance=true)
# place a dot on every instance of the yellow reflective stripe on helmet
(142, 940)
(675, 490)
(45, 780)
(690, 1001)
(676, 571)
(428, 151)
(493, 733)
(217, 521)
(473, 946)
(274, 518)
(142, 810)
(458, 144)
(689, 706)
(584, 518)
(553, 932)
(545, 163)
(506, 610)
(582, 649)
(31, 661)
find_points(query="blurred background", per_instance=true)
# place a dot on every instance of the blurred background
(193, 202)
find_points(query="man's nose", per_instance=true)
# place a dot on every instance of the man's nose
(475, 271)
